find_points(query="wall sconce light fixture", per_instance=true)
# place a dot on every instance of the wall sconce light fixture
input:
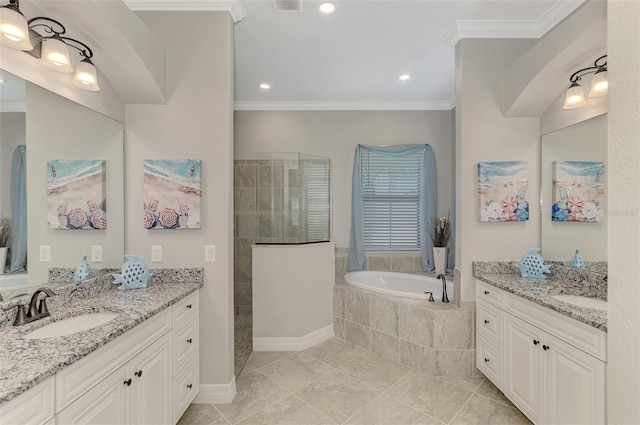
(54, 45)
(599, 84)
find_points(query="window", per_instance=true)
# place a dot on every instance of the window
(391, 201)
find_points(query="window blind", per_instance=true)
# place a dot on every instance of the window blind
(391, 201)
(317, 180)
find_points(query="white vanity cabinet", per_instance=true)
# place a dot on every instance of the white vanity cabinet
(138, 378)
(550, 366)
(136, 393)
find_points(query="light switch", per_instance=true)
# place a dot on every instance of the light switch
(209, 253)
(96, 253)
(45, 253)
(156, 253)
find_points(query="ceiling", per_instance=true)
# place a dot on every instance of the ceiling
(352, 59)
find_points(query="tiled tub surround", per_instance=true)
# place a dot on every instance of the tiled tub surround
(25, 363)
(541, 291)
(384, 262)
(436, 338)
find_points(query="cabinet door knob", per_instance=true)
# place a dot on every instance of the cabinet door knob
(190, 386)
(536, 342)
(486, 360)
(486, 321)
(188, 305)
(486, 292)
(545, 347)
(190, 340)
(138, 373)
(127, 382)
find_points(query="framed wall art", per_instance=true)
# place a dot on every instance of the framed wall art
(76, 194)
(578, 191)
(503, 188)
(172, 193)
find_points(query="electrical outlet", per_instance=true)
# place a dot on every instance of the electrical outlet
(45, 253)
(156, 253)
(209, 253)
(96, 253)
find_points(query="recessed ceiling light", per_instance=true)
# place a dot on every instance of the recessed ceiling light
(264, 86)
(327, 8)
(404, 77)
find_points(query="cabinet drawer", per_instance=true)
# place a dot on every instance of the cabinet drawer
(490, 322)
(490, 362)
(184, 308)
(489, 293)
(32, 407)
(185, 342)
(185, 387)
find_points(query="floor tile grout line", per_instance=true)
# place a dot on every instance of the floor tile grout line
(220, 413)
(314, 408)
(288, 393)
(463, 405)
(362, 408)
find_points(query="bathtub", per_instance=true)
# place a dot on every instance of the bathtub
(13, 281)
(400, 284)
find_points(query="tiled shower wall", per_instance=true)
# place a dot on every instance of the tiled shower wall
(246, 231)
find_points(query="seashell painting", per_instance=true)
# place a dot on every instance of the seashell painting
(503, 188)
(76, 194)
(578, 191)
(172, 194)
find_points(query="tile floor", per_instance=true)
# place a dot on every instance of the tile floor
(339, 383)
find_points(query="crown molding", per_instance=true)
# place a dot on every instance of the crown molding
(512, 28)
(12, 107)
(428, 105)
(234, 7)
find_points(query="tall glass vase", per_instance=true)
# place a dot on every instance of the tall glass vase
(440, 255)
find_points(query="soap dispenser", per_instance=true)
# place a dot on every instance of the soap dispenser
(83, 271)
(577, 262)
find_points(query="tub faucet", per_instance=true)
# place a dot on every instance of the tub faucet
(445, 298)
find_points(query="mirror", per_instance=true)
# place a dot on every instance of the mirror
(585, 142)
(55, 128)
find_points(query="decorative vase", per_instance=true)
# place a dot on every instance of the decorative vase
(440, 259)
(3, 258)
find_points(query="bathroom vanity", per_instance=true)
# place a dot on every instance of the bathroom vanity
(140, 367)
(547, 356)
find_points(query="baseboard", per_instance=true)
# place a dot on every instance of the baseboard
(216, 393)
(292, 343)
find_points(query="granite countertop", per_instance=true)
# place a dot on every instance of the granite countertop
(25, 363)
(540, 291)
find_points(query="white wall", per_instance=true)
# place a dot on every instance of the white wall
(484, 134)
(195, 123)
(623, 338)
(335, 134)
(585, 141)
(12, 134)
(58, 128)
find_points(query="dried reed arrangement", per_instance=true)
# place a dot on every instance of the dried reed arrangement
(5, 231)
(441, 231)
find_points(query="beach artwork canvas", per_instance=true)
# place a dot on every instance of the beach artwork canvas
(172, 193)
(504, 189)
(578, 191)
(76, 194)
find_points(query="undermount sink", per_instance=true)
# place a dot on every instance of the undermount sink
(71, 325)
(581, 301)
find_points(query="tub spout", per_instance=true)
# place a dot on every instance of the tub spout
(445, 298)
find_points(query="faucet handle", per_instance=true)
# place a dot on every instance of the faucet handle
(21, 316)
(42, 309)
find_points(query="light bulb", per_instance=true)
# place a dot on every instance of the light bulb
(327, 8)
(575, 97)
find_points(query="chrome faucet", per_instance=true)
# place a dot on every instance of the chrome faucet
(35, 312)
(445, 298)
